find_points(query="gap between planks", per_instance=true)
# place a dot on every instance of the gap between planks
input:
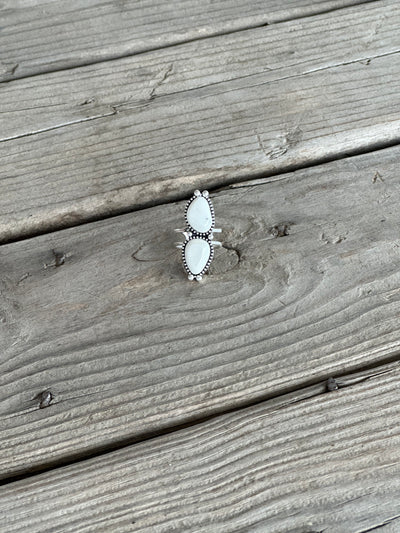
(159, 151)
(239, 181)
(307, 461)
(12, 71)
(313, 388)
(273, 315)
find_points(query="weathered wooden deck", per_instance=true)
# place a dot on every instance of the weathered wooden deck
(132, 400)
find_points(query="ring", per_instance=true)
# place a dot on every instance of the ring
(198, 247)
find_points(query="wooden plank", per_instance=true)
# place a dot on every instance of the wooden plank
(307, 462)
(60, 99)
(127, 346)
(42, 35)
(170, 121)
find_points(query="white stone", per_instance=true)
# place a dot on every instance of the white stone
(199, 215)
(197, 253)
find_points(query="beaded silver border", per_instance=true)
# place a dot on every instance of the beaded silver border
(198, 194)
(190, 233)
(190, 274)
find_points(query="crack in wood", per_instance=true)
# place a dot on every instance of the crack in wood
(58, 126)
(164, 75)
(381, 525)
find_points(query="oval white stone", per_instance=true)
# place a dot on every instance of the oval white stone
(197, 253)
(199, 215)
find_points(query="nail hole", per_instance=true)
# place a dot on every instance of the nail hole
(59, 258)
(332, 385)
(280, 230)
(44, 398)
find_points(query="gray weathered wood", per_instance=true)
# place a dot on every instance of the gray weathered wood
(120, 154)
(307, 462)
(127, 346)
(153, 149)
(41, 36)
(64, 98)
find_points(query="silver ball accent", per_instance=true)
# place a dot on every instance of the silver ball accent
(199, 278)
(197, 192)
(190, 277)
(205, 193)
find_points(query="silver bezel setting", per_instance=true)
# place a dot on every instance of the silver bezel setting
(190, 274)
(205, 195)
(190, 233)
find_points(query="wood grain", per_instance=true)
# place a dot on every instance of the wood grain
(306, 462)
(66, 98)
(143, 141)
(127, 346)
(125, 154)
(42, 35)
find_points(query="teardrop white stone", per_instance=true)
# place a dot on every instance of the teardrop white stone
(199, 215)
(197, 253)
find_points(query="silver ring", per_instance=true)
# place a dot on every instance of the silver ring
(198, 246)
